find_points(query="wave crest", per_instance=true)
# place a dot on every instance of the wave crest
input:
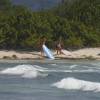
(76, 84)
(26, 71)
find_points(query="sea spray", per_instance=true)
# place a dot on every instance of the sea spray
(76, 84)
(26, 71)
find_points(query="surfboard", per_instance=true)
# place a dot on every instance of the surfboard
(67, 53)
(47, 52)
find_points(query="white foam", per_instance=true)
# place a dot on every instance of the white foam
(27, 71)
(76, 84)
(72, 71)
(72, 66)
(53, 64)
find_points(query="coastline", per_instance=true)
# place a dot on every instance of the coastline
(86, 53)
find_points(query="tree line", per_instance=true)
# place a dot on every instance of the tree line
(76, 23)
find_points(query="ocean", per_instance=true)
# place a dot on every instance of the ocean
(50, 80)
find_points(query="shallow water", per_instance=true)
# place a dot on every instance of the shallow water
(50, 80)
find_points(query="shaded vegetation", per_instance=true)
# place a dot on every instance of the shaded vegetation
(76, 23)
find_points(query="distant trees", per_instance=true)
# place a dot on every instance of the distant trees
(5, 4)
(77, 23)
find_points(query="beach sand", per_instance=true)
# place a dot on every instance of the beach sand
(87, 53)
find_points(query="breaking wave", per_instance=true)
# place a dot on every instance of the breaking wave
(76, 84)
(26, 71)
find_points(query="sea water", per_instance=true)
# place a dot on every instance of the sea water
(50, 80)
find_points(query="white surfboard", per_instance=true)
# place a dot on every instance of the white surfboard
(47, 52)
(65, 52)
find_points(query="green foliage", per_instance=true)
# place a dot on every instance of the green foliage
(76, 23)
(5, 4)
(74, 42)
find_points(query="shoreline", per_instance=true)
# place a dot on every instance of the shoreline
(86, 53)
(35, 61)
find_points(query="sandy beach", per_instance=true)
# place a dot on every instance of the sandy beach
(87, 53)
